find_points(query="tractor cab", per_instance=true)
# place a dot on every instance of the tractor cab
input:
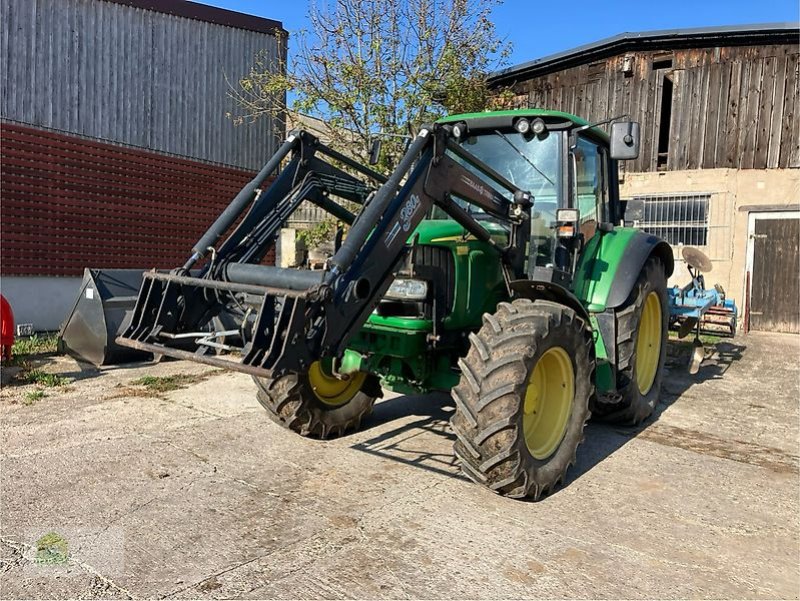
(451, 278)
(567, 166)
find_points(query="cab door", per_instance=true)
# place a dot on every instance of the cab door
(590, 189)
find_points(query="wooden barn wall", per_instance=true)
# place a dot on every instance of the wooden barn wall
(732, 107)
(139, 77)
(70, 203)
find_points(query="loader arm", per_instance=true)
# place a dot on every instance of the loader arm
(290, 318)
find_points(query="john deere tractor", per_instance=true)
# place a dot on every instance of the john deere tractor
(492, 262)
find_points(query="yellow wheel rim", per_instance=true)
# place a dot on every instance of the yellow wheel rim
(648, 343)
(329, 389)
(548, 402)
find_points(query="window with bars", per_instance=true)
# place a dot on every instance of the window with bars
(678, 219)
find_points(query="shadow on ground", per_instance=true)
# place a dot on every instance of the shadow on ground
(73, 369)
(718, 359)
(410, 443)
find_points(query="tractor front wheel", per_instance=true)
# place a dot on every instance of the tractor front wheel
(317, 403)
(523, 398)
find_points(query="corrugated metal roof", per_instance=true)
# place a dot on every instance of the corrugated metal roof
(698, 37)
(209, 14)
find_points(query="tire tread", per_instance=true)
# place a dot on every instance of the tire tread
(488, 397)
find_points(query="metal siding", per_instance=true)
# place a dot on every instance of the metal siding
(133, 76)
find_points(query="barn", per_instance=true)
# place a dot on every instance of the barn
(719, 167)
(116, 141)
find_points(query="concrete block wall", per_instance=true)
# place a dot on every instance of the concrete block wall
(734, 194)
(40, 300)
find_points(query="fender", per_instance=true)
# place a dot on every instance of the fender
(611, 263)
(549, 291)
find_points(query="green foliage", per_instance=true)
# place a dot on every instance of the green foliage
(378, 66)
(37, 376)
(35, 345)
(321, 232)
(30, 397)
(160, 384)
(26, 349)
(52, 548)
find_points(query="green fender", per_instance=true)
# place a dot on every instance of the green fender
(611, 263)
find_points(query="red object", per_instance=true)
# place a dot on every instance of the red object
(6, 327)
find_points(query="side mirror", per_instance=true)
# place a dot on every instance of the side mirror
(624, 140)
(375, 151)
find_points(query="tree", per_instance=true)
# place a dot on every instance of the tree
(371, 66)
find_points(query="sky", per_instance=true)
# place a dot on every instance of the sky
(537, 29)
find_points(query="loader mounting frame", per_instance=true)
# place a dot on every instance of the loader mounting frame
(293, 318)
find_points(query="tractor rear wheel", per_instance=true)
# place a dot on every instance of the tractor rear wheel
(642, 327)
(523, 398)
(318, 404)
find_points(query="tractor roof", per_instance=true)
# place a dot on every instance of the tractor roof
(528, 112)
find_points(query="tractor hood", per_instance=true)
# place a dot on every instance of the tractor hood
(437, 231)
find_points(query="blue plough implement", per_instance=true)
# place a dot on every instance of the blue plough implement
(694, 307)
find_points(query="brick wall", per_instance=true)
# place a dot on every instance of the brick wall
(67, 203)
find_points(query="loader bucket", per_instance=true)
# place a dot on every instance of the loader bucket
(104, 305)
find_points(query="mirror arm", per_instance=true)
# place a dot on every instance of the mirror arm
(596, 123)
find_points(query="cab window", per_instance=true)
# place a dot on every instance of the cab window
(533, 164)
(591, 185)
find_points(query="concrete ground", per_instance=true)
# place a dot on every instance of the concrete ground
(195, 493)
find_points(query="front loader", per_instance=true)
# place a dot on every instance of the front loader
(492, 262)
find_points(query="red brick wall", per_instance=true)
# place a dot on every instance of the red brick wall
(67, 203)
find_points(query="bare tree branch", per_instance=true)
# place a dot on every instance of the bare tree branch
(370, 66)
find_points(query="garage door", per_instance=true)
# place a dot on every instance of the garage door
(775, 272)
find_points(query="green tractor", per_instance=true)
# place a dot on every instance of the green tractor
(493, 262)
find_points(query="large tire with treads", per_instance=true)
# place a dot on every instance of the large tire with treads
(291, 401)
(523, 398)
(642, 328)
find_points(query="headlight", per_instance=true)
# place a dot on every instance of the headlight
(523, 126)
(407, 289)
